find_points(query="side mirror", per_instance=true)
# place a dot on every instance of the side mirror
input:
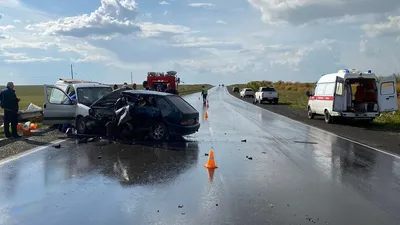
(74, 102)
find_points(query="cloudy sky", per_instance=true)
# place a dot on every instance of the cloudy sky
(214, 41)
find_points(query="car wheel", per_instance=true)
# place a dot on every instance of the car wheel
(328, 117)
(310, 114)
(158, 132)
(81, 125)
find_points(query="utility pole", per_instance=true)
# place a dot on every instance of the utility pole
(131, 78)
(72, 72)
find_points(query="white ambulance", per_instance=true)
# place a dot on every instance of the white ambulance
(352, 94)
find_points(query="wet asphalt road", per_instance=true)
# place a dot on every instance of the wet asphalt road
(297, 175)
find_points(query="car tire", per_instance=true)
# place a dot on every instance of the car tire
(328, 117)
(81, 125)
(310, 113)
(158, 132)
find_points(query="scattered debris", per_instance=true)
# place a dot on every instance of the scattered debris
(216, 204)
(263, 152)
(244, 140)
(99, 157)
(180, 206)
(250, 158)
(57, 146)
(158, 210)
(271, 206)
(206, 154)
(183, 213)
(287, 204)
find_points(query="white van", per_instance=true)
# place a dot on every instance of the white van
(333, 96)
(69, 101)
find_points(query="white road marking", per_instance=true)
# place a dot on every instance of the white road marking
(23, 154)
(344, 138)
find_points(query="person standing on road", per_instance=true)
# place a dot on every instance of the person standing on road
(204, 93)
(134, 87)
(146, 85)
(9, 102)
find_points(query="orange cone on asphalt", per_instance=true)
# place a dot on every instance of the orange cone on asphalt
(211, 162)
(206, 115)
(211, 175)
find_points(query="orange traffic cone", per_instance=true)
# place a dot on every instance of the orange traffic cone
(210, 175)
(211, 162)
(206, 115)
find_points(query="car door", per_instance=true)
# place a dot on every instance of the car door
(338, 97)
(387, 96)
(145, 115)
(58, 108)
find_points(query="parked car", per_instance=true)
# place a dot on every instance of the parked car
(235, 89)
(247, 92)
(158, 115)
(69, 101)
(266, 94)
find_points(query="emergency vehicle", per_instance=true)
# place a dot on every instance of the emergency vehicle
(352, 94)
(158, 81)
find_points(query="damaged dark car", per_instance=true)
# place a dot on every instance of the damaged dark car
(137, 114)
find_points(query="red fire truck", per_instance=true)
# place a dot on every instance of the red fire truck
(158, 81)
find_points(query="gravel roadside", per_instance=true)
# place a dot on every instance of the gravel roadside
(9, 147)
(372, 135)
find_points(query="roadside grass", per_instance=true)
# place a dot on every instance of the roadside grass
(293, 94)
(35, 94)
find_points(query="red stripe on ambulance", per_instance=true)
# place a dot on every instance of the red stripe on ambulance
(324, 98)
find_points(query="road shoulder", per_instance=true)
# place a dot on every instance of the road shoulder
(369, 135)
(10, 147)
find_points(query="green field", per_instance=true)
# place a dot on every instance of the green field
(293, 94)
(35, 94)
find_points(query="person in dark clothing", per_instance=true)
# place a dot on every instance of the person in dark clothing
(9, 102)
(171, 90)
(146, 85)
(134, 87)
(115, 87)
(126, 87)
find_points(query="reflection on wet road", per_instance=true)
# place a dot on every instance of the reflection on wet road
(297, 175)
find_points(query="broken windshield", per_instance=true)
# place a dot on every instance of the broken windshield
(87, 96)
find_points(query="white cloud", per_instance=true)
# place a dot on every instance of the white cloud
(5, 28)
(221, 22)
(112, 17)
(17, 21)
(203, 42)
(304, 11)
(389, 28)
(23, 58)
(163, 3)
(165, 12)
(367, 49)
(155, 29)
(201, 4)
